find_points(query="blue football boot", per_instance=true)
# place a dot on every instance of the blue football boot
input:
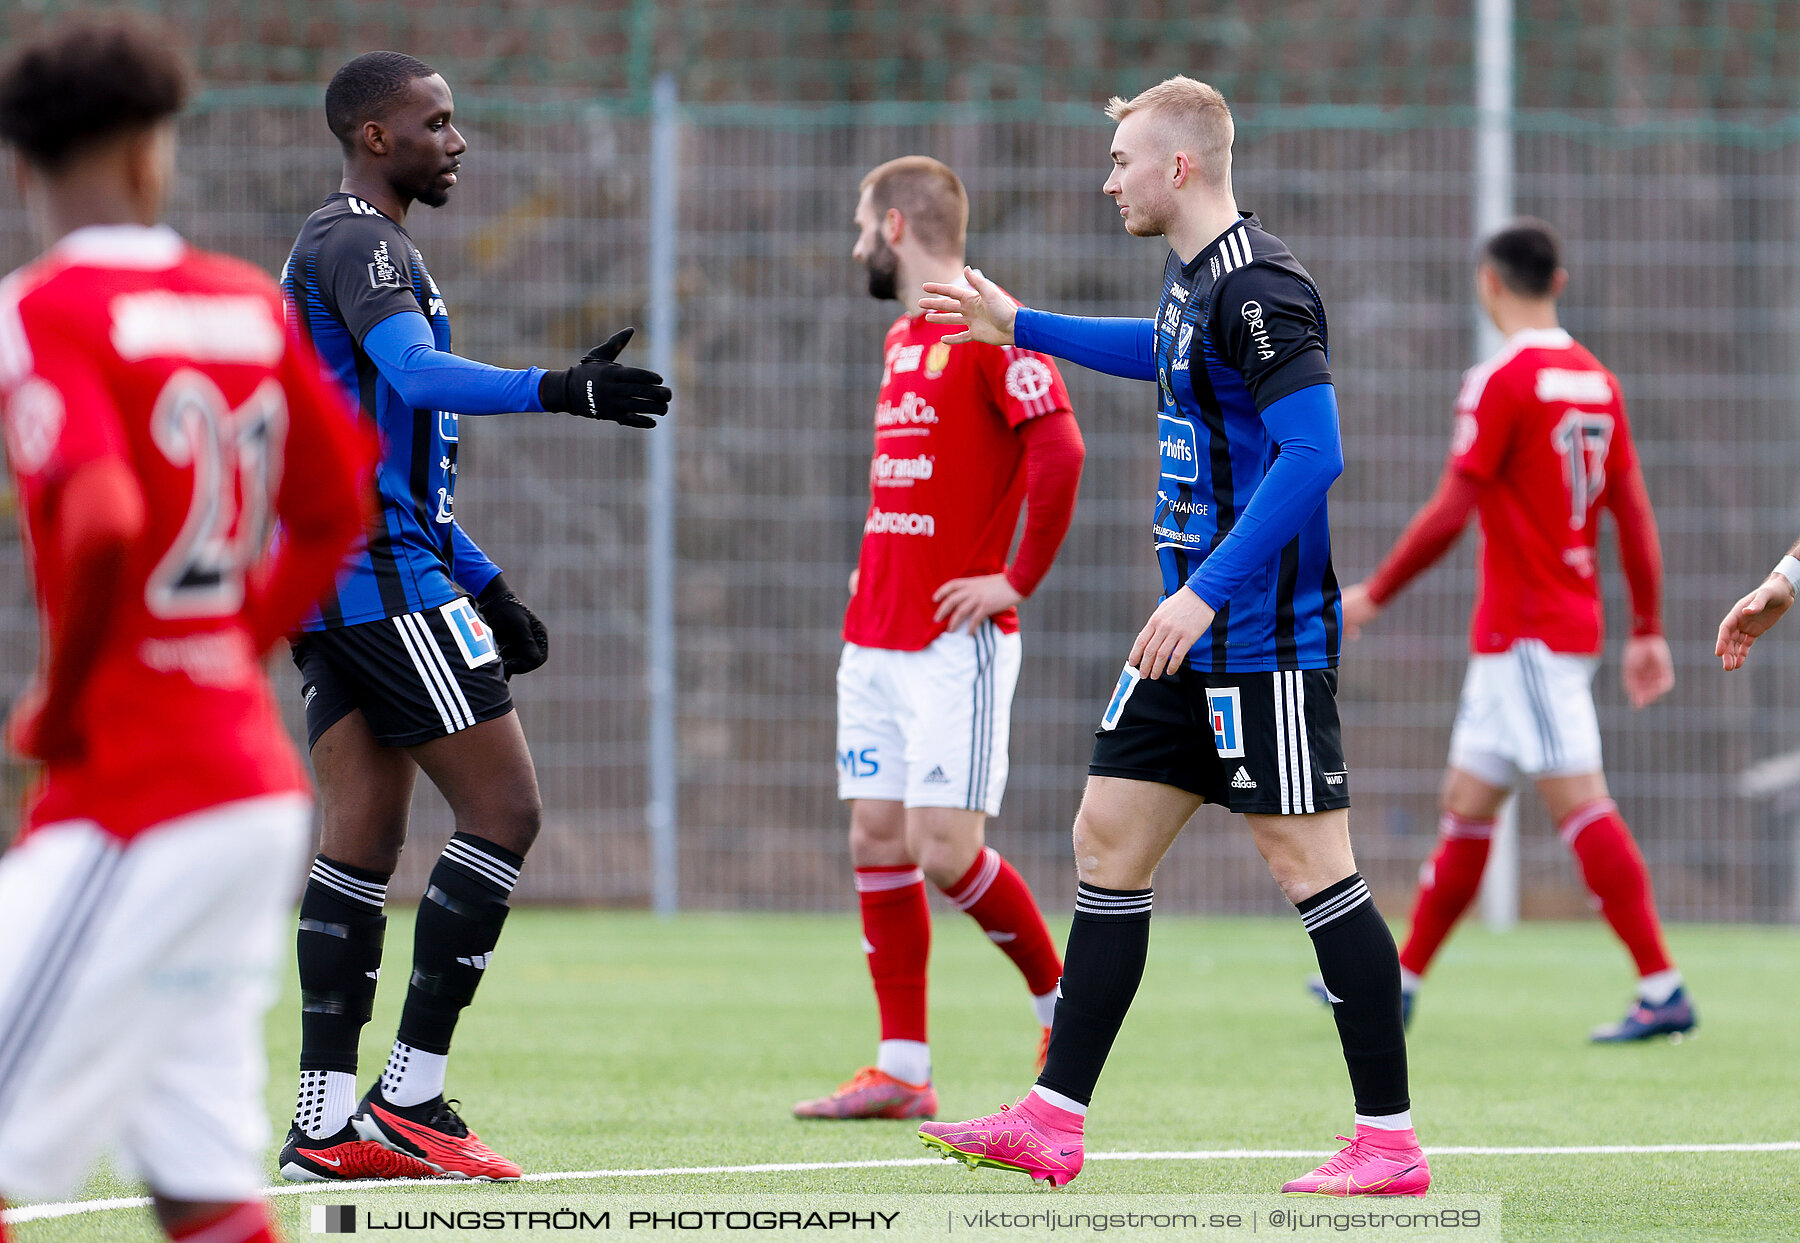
(1674, 1018)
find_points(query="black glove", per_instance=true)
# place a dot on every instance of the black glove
(599, 388)
(523, 642)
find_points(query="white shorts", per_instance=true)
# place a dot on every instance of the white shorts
(1527, 711)
(928, 728)
(133, 985)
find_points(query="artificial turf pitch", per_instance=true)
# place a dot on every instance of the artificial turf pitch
(607, 1041)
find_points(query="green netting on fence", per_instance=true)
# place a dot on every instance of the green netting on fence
(1004, 59)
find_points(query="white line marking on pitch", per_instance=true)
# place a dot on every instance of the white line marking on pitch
(74, 1208)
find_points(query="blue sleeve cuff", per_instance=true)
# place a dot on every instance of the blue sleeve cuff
(427, 378)
(1116, 346)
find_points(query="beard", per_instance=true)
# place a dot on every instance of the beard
(884, 273)
(1144, 223)
(433, 195)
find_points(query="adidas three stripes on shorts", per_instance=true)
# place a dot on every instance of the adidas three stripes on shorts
(928, 728)
(1258, 743)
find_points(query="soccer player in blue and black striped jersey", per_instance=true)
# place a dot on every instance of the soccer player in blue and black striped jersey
(1229, 695)
(404, 667)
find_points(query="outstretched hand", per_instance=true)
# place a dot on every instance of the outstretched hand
(599, 387)
(1751, 618)
(982, 308)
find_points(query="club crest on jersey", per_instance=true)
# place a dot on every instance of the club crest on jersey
(1180, 449)
(1183, 339)
(1028, 379)
(383, 274)
(34, 424)
(1226, 709)
(937, 359)
(473, 638)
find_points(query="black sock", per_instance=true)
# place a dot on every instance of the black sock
(1108, 942)
(1361, 969)
(339, 948)
(459, 925)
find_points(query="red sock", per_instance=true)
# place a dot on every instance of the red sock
(1616, 875)
(896, 922)
(1447, 884)
(4, 1237)
(248, 1222)
(994, 895)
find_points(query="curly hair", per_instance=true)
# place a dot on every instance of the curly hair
(86, 79)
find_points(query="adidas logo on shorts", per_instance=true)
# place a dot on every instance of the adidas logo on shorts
(1242, 781)
(936, 778)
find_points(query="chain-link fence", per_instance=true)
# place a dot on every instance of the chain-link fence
(1684, 245)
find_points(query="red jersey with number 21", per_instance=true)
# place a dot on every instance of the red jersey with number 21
(1541, 426)
(124, 343)
(947, 479)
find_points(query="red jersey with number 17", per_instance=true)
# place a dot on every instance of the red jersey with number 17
(123, 343)
(947, 478)
(1541, 425)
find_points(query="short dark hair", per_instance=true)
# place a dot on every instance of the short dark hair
(1525, 254)
(86, 79)
(365, 88)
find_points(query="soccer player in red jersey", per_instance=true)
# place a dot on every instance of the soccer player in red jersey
(964, 436)
(158, 417)
(1541, 445)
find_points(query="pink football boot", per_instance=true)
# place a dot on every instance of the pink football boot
(1031, 1136)
(1377, 1163)
(872, 1093)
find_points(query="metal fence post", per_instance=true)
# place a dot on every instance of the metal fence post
(1494, 205)
(659, 502)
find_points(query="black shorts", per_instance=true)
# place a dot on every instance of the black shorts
(414, 677)
(1259, 743)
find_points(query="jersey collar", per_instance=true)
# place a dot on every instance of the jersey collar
(149, 248)
(1192, 269)
(1540, 339)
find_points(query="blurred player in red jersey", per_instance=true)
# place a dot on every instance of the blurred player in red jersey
(964, 435)
(1541, 445)
(158, 417)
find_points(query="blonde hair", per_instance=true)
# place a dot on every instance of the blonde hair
(929, 194)
(1193, 112)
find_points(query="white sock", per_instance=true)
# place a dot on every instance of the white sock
(1053, 1097)
(1387, 1122)
(1409, 983)
(1044, 1005)
(326, 1101)
(413, 1076)
(1657, 987)
(909, 1061)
